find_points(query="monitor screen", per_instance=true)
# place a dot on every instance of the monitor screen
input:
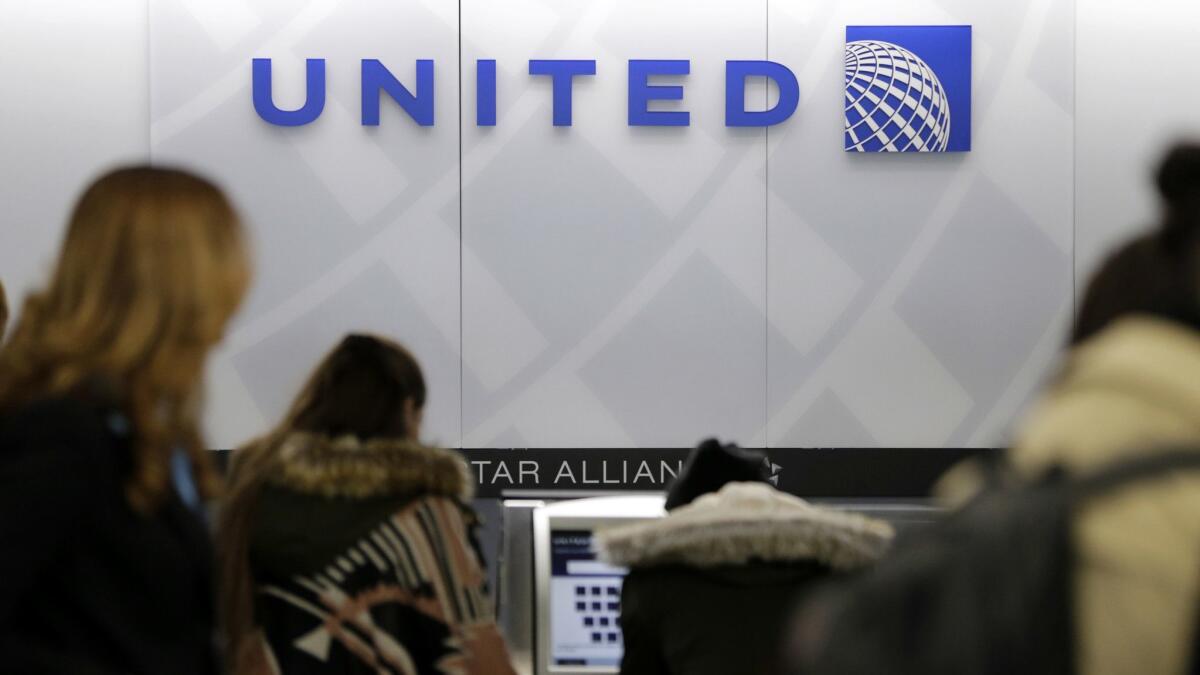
(585, 603)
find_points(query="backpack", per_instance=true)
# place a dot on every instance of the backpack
(988, 590)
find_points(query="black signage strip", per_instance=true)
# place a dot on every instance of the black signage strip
(834, 473)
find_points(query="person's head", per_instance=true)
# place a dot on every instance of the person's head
(711, 466)
(1155, 273)
(1178, 182)
(152, 266)
(367, 387)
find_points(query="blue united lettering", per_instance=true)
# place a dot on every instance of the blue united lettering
(413, 91)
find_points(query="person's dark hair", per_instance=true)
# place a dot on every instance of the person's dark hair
(710, 467)
(1178, 182)
(1139, 277)
(1155, 273)
(360, 389)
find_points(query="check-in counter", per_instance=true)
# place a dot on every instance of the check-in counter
(558, 605)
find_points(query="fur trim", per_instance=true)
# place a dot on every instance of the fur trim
(347, 467)
(745, 522)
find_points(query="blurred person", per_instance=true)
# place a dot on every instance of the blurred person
(346, 546)
(107, 562)
(712, 584)
(1133, 388)
(1082, 553)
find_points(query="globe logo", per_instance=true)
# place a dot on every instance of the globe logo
(894, 101)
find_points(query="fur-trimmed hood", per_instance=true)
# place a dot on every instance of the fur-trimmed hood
(747, 522)
(349, 468)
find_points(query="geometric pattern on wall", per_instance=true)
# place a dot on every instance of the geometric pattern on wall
(602, 285)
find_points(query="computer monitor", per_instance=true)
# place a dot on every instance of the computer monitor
(579, 597)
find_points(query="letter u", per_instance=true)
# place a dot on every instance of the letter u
(314, 94)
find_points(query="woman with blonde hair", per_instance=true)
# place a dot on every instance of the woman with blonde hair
(107, 565)
(346, 546)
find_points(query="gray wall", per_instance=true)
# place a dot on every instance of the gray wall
(618, 286)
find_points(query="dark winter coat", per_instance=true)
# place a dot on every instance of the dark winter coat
(711, 586)
(363, 562)
(88, 586)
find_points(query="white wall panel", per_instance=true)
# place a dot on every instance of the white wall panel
(613, 287)
(919, 298)
(617, 282)
(355, 228)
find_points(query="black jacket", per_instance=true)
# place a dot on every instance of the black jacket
(728, 620)
(711, 585)
(87, 586)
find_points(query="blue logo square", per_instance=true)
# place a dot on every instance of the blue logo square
(908, 89)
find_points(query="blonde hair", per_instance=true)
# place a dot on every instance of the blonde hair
(153, 265)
